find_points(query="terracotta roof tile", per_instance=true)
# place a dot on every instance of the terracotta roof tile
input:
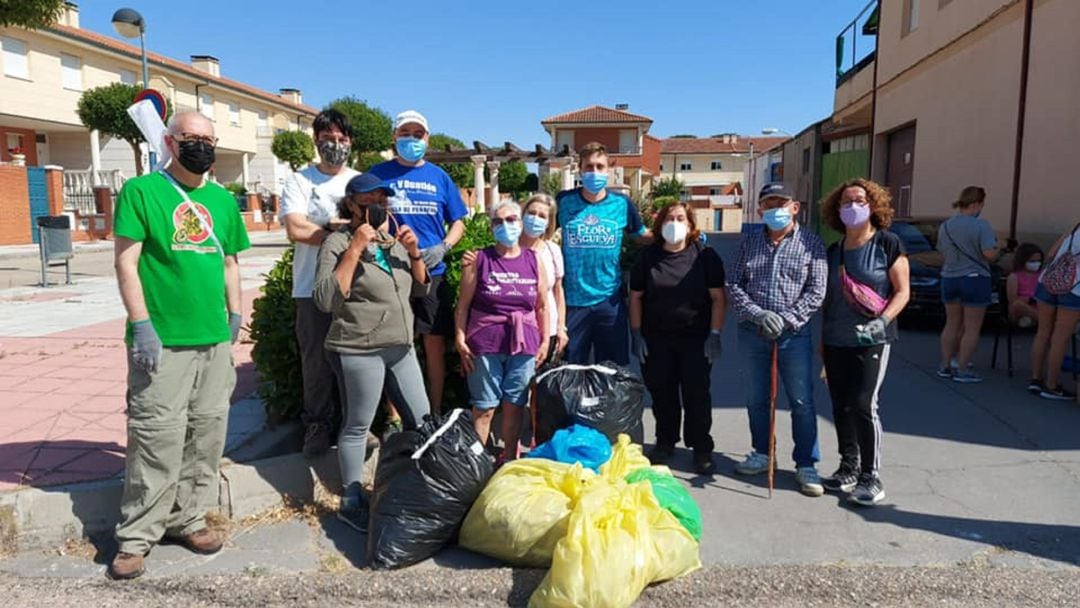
(133, 51)
(596, 114)
(716, 145)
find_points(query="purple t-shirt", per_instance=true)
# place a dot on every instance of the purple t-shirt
(502, 319)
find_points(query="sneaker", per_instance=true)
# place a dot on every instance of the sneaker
(869, 491)
(842, 480)
(946, 372)
(809, 482)
(755, 464)
(968, 376)
(661, 454)
(354, 512)
(1057, 394)
(1035, 386)
(126, 566)
(316, 440)
(703, 463)
(1025, 322)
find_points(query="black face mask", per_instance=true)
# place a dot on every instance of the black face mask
(376, 215)
(196, 156)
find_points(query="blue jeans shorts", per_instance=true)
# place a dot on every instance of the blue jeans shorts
(500, 379)
(1069, 301)
(969, 291)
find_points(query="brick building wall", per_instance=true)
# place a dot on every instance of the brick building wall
(14, 206)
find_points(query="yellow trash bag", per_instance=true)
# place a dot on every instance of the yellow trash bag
(524, 511)
(618, 541)
(626, 457)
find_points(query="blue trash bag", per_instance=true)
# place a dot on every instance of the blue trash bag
(576, 443)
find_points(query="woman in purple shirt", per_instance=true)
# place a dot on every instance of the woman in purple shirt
(501, 316)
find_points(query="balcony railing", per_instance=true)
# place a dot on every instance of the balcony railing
(79, 189)
(860, 37)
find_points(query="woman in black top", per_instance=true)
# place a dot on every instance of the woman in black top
(676, 314)
(868, 287)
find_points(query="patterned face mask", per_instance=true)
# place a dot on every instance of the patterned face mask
(334, 153)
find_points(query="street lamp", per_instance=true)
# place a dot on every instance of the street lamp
(774, 131)
(130, 24)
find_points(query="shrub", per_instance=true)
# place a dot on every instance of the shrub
(276, 353)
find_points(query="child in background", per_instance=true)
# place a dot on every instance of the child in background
(1021, 284)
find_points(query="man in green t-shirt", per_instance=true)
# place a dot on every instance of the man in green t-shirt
(177, 236)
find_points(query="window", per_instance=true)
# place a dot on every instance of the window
(911, 17)
(715, 166)
(234, 114)
(805, 160)
(206, 106)
(628, 141)
(261, 121)
(16, 62)
(564, 138)
(661, 167)
(715, 191)
(127, 77)
(686, 167)
(71, 72)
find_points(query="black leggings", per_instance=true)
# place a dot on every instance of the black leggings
(854, 376)
(677, 376)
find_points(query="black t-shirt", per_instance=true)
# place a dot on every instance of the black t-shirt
(676, 286)
(869, 265)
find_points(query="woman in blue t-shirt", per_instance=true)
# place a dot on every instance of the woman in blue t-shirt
(868, 286)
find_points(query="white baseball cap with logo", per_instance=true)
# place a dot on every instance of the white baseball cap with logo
(410, 117)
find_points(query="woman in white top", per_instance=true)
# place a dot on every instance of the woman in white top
(1058, 315)
(539, 218)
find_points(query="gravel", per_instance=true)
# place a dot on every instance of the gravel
(773, 586)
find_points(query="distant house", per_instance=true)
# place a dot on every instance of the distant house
(710, 166)
(635, 155)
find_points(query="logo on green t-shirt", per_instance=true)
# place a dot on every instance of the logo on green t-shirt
(191, 231)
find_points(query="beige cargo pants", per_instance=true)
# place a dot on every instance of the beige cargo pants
(177, 420)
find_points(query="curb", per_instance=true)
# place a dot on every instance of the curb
(37, 518)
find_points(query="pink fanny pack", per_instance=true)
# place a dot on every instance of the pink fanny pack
(861, 297)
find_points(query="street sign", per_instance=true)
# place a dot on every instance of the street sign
(155, 98)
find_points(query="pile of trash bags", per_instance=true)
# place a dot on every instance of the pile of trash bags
(606, 397)
(605, 536)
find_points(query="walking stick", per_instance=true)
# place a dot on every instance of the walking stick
(773, 372)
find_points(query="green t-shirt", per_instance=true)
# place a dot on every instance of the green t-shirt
(181, 269)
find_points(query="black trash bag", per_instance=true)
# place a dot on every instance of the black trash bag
(607, 397)
(425, 483)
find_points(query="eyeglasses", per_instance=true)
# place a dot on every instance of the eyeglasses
(510, 219)
(193, 137)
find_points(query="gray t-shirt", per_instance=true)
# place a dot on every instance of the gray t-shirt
(961, 240)
(868, 265)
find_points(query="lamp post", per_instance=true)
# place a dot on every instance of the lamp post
(130, 24)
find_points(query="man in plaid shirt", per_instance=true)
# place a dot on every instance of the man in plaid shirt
(777, 283)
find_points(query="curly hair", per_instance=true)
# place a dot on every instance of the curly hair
(877, 196)
(692, 234)
(1025, 252)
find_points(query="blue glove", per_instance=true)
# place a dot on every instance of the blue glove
(637, 345)
(770, 324)
(703, 239)
(235, 320)
(714, 346)
(146, 346)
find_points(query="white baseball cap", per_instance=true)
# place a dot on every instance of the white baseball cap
(410, 116)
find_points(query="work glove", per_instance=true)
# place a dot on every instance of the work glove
(770, 324)
(235, 319)
(146, 346)
(714, 346)
(637, 345)
(873, 331)
(434, 255)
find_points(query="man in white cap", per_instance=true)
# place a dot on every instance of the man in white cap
(427, 200)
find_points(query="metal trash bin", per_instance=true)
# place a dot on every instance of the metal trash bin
(54, 244)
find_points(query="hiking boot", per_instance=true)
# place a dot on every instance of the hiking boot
(354, 512)
(661, 454)
(755, 464)
(968, 376)
(842, 480)
(703, 462)
(1057, 394)
(809, 482)
(126, 566)
(869, 491)
(1035, 386)
(316, 440)
(203, 542)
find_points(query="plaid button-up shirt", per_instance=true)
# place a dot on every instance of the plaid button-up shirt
(788, 278)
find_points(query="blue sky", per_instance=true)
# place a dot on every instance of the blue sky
(486, 70)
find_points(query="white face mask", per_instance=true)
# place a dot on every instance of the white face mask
(1033, 266)
(674, 232)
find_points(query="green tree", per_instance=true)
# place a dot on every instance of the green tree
(372, 127)
(461, 173)
(669, 186)
(105, 109)
(367, 160)
(551, 184)
(294, 148)
(30, 14)
(512, 176)
(683, 136)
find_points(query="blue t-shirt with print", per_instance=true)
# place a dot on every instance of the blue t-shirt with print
(425, 199)
(592, 236)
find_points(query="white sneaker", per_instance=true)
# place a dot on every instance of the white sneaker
(809, 481)
(755, 464)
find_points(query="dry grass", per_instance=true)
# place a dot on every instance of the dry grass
(78, 547)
